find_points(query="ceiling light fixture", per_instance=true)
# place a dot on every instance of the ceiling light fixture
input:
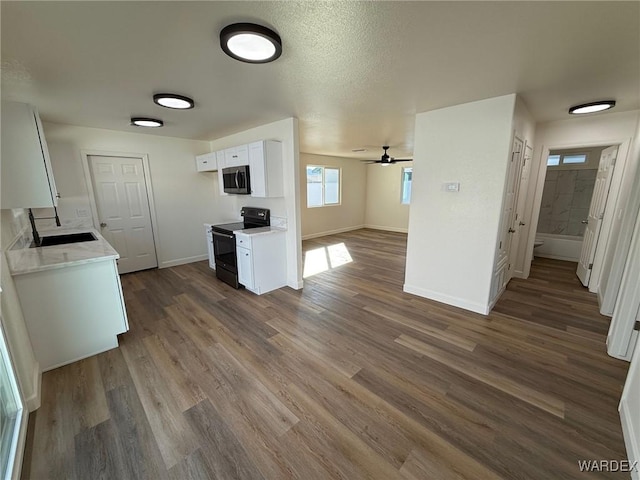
(171, 100)
(250, 43)
(146, 122)
(592, 107)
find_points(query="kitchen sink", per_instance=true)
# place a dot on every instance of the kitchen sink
(66, 238)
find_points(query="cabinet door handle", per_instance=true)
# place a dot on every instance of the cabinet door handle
(102, 225)
(57, 195)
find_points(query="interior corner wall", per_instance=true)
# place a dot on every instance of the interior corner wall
(384, 210)
(184, 199)
(594, 130)
(452, 235)
(349, 215)
(285, 131)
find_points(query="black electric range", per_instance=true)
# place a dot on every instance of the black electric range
(224, 242)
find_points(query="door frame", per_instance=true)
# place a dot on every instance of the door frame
(85, 154)
(610, 208)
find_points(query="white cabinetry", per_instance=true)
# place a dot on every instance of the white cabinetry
(206, 162)
(72, 312)
(27, 177)
(220, 159)
(265, 165)
(209, 237)
(236, 156)
(262, 262)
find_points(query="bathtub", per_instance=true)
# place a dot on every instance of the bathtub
(559, 247)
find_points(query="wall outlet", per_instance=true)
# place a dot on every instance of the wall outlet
(452, 187)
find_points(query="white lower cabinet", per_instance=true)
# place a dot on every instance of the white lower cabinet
(245, 268)
(72, 312)
(262, 262)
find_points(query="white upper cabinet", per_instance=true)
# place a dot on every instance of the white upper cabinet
(221, 164)
(206, 162)
(265, 165)
(236, 156)
(27, 176)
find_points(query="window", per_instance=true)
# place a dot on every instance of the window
(556, 160)
(407, 174)
(323, 186)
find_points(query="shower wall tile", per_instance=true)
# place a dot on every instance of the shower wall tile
(565, 201)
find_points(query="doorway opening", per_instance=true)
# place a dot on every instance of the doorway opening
(574, 198)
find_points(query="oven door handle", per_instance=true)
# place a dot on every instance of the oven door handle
(222, 235)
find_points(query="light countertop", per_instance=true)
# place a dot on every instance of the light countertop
(22, 259)
(260, 231)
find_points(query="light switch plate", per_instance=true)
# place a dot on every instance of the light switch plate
(452, 187)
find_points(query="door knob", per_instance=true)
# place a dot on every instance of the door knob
(102, 225)
(522, 224)
(586, 222)
(511, 230)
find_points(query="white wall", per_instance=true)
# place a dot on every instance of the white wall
(452, 236)
(349, 215)
(285, 131)
(384, 209)
(595, 130)
(13, 223)
(184, 199)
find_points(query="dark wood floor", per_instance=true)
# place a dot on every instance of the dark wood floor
(349, 378)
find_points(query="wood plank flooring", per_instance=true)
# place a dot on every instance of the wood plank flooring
(349, 378)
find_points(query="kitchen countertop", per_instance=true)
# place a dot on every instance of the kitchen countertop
(22, 259)
(260, 231)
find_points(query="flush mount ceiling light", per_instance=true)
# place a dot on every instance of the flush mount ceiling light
(250, 43)
(592, 107)
(146, 122)
(171, 100)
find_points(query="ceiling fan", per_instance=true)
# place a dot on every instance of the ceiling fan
(385, 159)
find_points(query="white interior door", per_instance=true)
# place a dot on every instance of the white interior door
(630, 415)
(516, 248)
(596, 213)
(123, 210)
(509, 207)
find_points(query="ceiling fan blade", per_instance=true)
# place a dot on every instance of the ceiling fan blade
(370, 161)
(403, 159)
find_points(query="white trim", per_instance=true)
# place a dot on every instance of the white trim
(183, 261)
(296, 285)
(447, 299)
(493, 302)
(148, 184)
(631, 436)
(34, 401)
(387, 229)
(332, 232)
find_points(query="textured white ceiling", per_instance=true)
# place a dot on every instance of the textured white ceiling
(354, 73)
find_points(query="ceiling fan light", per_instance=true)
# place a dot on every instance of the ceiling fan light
(171, 100)
(592, 107)
(146, 122)
(250, 43)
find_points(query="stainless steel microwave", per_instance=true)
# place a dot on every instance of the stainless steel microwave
(236, 180)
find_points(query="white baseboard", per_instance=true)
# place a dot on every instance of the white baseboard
(631, 438)
(332, 232)
(296, 285)
(448, 299)
(493, 302)
(387, 229)
(183, 261)
(33, 402)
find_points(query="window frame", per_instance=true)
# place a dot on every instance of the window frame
(323, 185)
(567, 154)
(405, 170)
